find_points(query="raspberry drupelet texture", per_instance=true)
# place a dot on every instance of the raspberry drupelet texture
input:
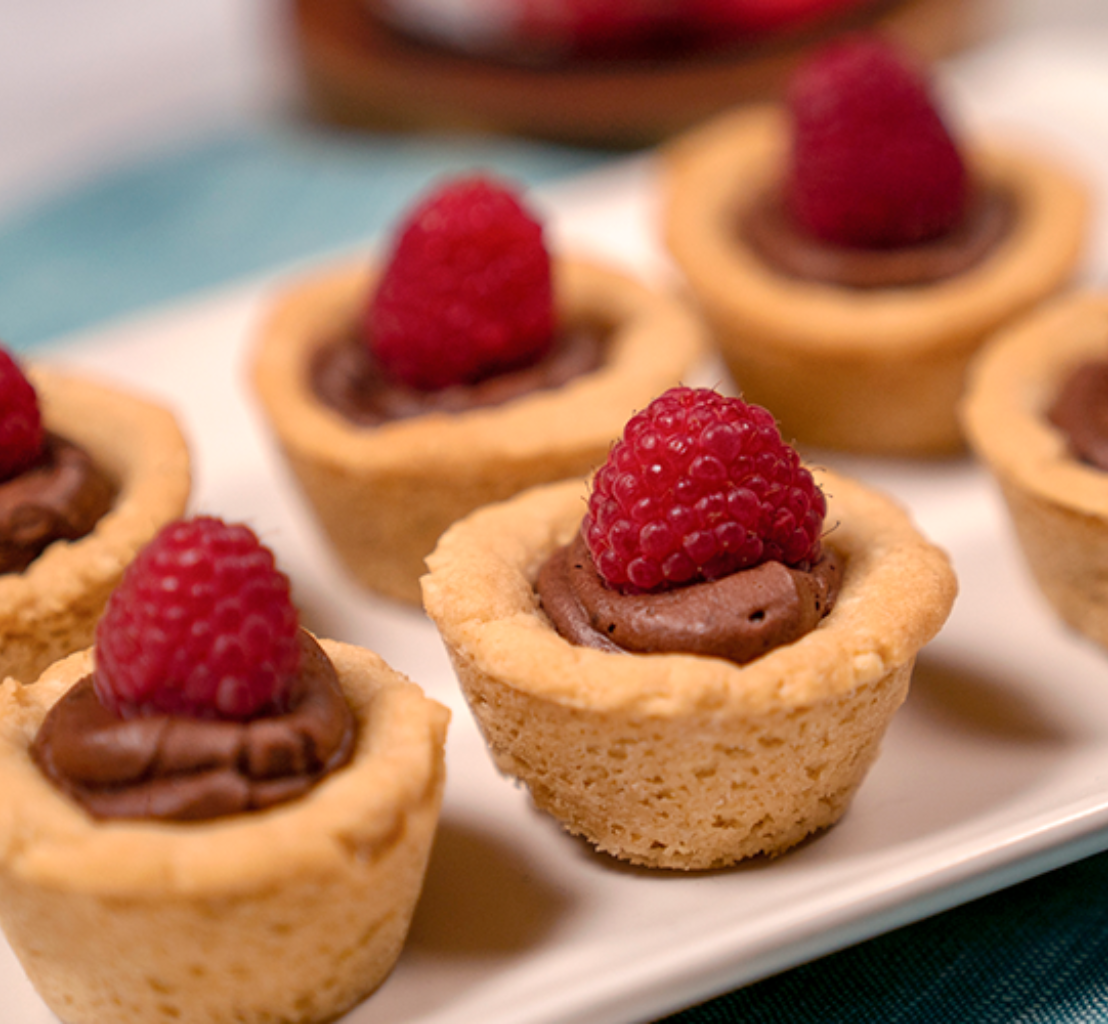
(872, 162)
(467, 292)
(21, 431)
(700, 486)
(201, 625)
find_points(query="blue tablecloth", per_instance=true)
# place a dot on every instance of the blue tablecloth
(1035, 954)
(229, 207)
(223, 209)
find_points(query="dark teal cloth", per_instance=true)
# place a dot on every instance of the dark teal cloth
(1036, 953)
(229, 207)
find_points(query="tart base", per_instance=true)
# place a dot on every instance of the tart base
(877, 370)
(1058, 506)
(51, 608)
(679, 761)
(357, 72)
(291, 914)
(693, 792)
(384, 494)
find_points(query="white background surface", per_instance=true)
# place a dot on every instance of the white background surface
(86, 85)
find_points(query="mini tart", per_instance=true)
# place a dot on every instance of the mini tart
(1058, 505)
(875, 370)
(684, 761)
(50, 609)
(290, 914)
(384, 494)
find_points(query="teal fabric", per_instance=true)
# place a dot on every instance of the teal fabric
(225, 208)
(222, 209)
(1034, 954)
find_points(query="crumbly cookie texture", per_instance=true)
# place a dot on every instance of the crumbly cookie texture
(869, 370)
(680, 761)
(1058, 505)
(384, 494)
(292, 914)
(51, 608)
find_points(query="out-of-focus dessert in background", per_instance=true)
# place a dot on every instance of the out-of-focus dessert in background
(607, 72)
(467, 364)
(852, 251)
(1034, 414)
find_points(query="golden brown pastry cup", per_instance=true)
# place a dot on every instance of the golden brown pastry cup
(673, 760)
(290, 914)
(50, 609)
(384, 494)
(876, 370)
(1057, 504)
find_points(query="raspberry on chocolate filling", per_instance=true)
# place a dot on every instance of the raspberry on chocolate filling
(770, 231)
(178, 768)
(346, 377)
(876, 194)
(207, 698)
(702, 536)
(462, 316)
(50, 489)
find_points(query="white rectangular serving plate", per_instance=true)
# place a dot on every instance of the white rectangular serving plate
(996, 768)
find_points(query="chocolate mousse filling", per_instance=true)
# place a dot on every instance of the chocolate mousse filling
(1080, 411)
(770, 230)
(345, 377)
(739, 617)
(177, 768)
(62, 497)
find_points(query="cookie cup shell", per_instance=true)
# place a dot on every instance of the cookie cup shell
(50, 609)
(682, 761)
(384, 494)
(290, 914)
(1058, 505)
(870, 370)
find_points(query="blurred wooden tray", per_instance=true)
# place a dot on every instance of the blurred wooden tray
(357, 72)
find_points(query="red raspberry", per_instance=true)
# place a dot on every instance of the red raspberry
(201, 625)
(467, 292)
(872, 162)
(592, 27)
(742, 16)
(699, 486)
(21, 431)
